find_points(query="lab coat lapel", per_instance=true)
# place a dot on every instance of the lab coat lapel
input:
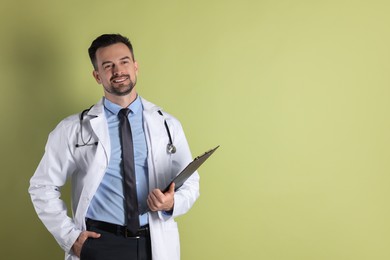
(100, 128)
(98, 167)
(153, 123)
(154, 132)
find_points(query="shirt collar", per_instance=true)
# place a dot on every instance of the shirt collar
(113, 108)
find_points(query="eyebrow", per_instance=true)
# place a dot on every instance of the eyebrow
(124, 58)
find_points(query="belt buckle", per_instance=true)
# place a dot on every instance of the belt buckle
(128, 234)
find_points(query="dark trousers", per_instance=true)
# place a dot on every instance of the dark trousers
(111, 246)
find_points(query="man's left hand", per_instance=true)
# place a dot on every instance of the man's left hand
(158, 201)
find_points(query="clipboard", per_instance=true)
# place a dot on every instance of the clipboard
(190, 169)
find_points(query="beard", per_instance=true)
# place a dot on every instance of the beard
(121, 89)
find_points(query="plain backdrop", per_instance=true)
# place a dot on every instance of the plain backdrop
(295, 92)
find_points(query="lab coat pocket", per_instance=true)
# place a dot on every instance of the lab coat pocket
(170, 225)
(172, 241)
(84, 155)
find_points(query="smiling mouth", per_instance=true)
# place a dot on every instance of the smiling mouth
(120, 79)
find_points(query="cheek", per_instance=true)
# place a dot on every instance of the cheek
(105, 77)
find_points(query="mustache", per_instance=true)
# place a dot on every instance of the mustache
(120, 76)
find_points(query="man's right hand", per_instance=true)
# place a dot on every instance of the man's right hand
(81, 239)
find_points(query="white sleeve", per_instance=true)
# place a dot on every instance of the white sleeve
(52, 173)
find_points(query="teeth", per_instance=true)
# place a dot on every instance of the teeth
(120, 80)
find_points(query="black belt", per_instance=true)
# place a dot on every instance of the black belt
(117, 229)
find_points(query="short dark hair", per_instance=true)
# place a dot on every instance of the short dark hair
(107, 40)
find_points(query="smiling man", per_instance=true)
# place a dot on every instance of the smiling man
(117, 73)
(116, 155)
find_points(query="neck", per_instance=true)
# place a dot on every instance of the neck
(123, 101)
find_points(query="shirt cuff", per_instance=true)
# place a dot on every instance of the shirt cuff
(168, 213)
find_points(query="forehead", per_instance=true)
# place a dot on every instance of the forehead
(112, 52)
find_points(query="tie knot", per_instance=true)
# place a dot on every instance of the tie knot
(124, 112)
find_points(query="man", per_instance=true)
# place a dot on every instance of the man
(92, 149)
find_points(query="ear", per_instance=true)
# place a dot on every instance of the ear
(136, 67)
(96, 76)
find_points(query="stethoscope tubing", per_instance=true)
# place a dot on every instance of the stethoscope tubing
(171, 149)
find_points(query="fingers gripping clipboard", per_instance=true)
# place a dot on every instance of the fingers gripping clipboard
(190, 169)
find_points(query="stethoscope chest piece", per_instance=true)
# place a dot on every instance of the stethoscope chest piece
(171, 148)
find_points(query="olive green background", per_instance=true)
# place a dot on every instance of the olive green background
(295, 92)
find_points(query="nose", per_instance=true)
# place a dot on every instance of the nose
(116, 70)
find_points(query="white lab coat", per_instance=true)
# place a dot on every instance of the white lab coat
(86, 165)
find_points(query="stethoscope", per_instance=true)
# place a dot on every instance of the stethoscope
(171, 148)
(89, 141)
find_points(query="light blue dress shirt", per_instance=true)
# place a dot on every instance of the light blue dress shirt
(108, 203)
